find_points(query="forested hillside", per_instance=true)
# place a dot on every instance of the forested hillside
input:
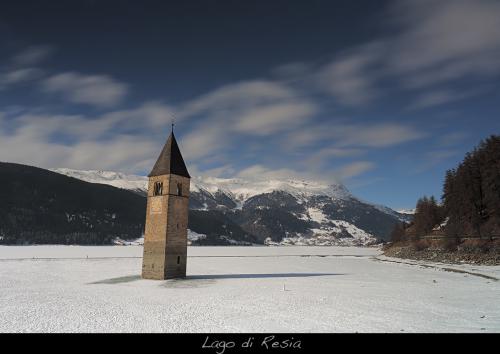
(467, 221)
(40, 206)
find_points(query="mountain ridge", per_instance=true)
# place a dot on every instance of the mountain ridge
(275, 211)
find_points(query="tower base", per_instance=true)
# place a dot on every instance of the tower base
(172, 267)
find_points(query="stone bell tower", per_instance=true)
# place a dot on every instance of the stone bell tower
(165, 237)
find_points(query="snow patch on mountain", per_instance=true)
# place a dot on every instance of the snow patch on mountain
(335, 233)
(244, 189)
(194, 236)
(115, 179)
(121, 242)
(407, 211)
(317, 215)
(403, 217)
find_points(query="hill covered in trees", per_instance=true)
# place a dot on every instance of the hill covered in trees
(39, 206)
(468, 218)
(471, 193)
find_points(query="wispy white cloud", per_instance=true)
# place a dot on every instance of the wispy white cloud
(97, 90)
(437, 42)
(438, 97)
(376, 135)
(355, 135)
(459, 36)
(221, 171)
(450, 139)
(20, 75)
(330, 175)
(254, 108)
(216, 122)
(16, 76)
(203, 140)
(32, 55)
(263, 172)
(295, 71)
(324, 157)
(354, 169)
(108, 141)
(237, 97)
(22, 67)
(274, 118)
(351, 78)
(435, 98)
(248, 111)
(149, 115)
(432, 159)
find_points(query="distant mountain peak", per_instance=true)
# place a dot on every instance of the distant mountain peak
(115, 179)
(407, 211)
(243, 189)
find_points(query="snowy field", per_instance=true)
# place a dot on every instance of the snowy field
(242, 289)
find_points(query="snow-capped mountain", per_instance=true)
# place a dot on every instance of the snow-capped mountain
(407, 211)
(277, 211)
(239, 189)
(115, 179)
(243, 189)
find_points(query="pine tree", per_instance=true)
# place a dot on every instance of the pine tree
(490, 162)
(428, 214)
(398, 233)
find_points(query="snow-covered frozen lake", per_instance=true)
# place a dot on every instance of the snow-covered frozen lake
(242, 289)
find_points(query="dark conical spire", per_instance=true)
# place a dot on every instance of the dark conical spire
(170, 160)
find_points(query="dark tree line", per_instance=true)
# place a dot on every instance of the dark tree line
(428, 215)
(470, 201)
(471, 193)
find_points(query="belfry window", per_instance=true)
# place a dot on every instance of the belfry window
(158, 188)
(179, 188)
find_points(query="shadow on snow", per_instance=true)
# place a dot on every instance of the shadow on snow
(258, 275)
(201, 277)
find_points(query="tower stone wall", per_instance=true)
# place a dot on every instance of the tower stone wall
(165, 236)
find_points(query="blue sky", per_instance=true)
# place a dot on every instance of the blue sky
(383, 96)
